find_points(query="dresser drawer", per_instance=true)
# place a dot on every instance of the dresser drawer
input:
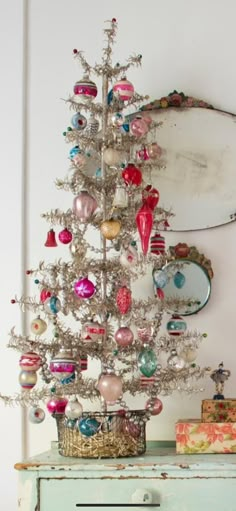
(195, 494)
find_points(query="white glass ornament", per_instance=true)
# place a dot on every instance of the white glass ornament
(111, 156)
(73, 409)
(129, 256)
(175, 362)
(120, 198)
(36, 415)
(188, 354)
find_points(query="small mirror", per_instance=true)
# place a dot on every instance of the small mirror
(187, 278)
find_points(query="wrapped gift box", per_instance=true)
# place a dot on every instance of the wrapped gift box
(194, 436)
(218, 410)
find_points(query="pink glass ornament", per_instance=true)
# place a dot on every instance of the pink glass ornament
(57, 404)
(84, 205)
(145, 333)
(143, 154)
(132, 175)
(44, 295)
(65, 236)
(138, 127)
(129, 428)
(124, 336)
(30, 361)
(144, 221)
(62, 365)
(160, 293)
(146, 118)
(150, 196)
(84, 288)
(157, 244)
(51, 239)
(85, 89)
(123, 90)
(124, 299)
(110, 387)
(155, 406)
(154, 150)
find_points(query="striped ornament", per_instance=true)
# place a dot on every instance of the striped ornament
(157, 244)
(83, 363)
(145, 382)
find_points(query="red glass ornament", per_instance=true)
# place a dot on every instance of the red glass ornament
(13, 301)
(44, 295)
(132, 175)
(123, 299)
(157, 244)
(57, 404)
(144, 221)
(150, 196)
(160, 293)
(65, 236)
(51, 239)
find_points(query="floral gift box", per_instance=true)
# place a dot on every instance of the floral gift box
(194, 436)
(218, 410)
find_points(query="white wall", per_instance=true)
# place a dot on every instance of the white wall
(186, 45)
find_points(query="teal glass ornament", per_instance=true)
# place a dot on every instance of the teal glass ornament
(147, 362)
(160, 278)
(70, 423)
(176, 325)
(89, 427)
(179, 280)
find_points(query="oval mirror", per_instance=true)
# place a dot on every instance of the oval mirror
(185, 280)
(198, 178)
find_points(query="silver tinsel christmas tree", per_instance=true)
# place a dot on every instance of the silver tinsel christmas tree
(85, 304)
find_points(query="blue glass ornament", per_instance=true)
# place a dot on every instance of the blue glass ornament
(52, 304)
(89, 427)
(78, 121)
(68, 379)
(110, 97)
(179, 280)
(98, 172)
(176, 325)
(147, 362)
(125, 128)
(160, 278)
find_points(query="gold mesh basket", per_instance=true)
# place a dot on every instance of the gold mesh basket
(109, 434)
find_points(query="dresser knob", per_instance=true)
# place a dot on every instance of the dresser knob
(142, 496)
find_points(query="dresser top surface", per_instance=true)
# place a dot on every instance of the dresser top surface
(153, 459)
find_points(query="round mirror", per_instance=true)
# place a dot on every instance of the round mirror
(187, 281)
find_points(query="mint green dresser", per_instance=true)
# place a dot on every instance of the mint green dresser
(159, 480)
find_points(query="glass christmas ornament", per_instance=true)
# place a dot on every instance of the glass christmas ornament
(36, 415)
(117, 119)
(120, 198)
(147, 362)
(84, 205)
(188, 354)
(123, 90)
(179, 280)
(83, 363)
(176, 325)
(84, 288)
(52, 305)
(110, 229)
(124, 299)
(131, 429)
(57, 404)
(89, 427)
(124, 336)
(27, 379)
(111, 157)
(77, 155)
(110, 387)
(157, 244)
(138, 127)
(45, 293)
(142, 154)
(73, 409)
(92, 126)
(145, 333)
(85, 90)
(150, 196)
(62, 365)
(154, 405)
(154, 150)
(77, 249)
(160, 278)
(92, 331)
(124, 128)
(38, 326)
(160, 293)
(175, 362)
(30, 361)
(51, 239)
(78, 121)
(129, 256)
(132, 175)
(144, 221)
(65, 236)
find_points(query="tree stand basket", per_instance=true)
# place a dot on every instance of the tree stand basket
(117, 435)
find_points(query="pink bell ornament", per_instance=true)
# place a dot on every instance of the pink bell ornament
(84, 205)
(51, 239)
(84, 288)
(110, 387)
(124, 299)
(144, 221)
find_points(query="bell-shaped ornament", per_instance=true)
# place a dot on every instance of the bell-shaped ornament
(51, 239)
(144, 221)
(120, 198)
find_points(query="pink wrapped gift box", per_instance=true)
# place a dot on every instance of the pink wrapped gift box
(194, 436)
